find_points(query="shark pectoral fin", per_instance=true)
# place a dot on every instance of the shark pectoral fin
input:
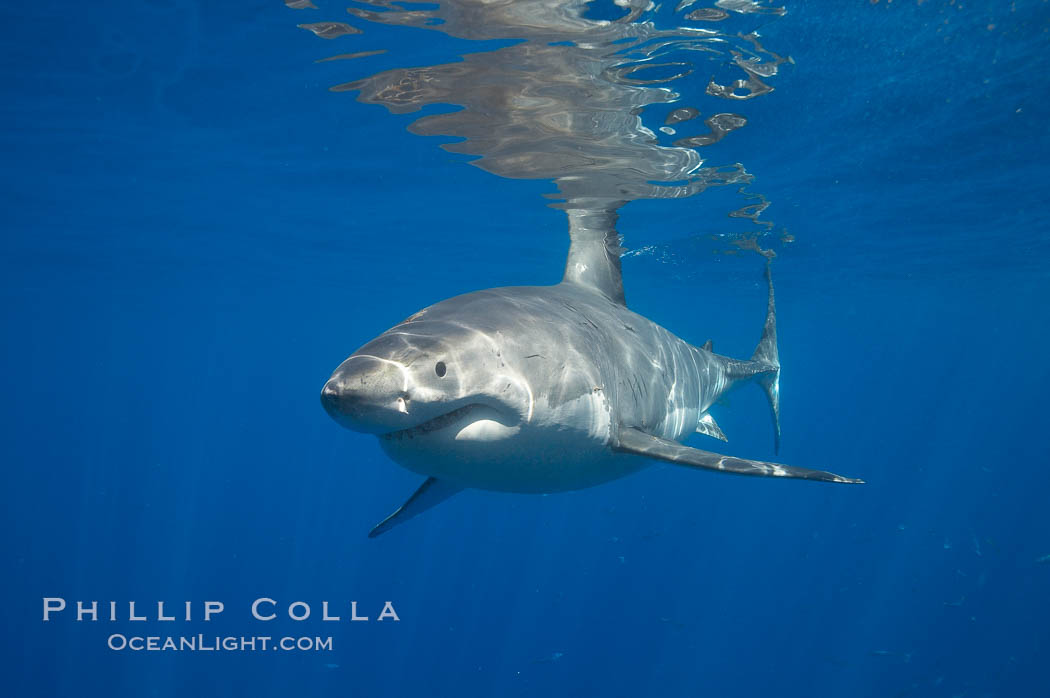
(639, 443)
(430, 493)
(708, 426)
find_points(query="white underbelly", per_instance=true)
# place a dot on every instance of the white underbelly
(485, 453)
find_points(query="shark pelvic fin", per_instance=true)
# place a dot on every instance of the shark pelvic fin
(430, 493)
(709, 427)
(639, 443)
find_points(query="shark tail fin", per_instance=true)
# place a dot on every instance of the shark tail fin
(766, 354)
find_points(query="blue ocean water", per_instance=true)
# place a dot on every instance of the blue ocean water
(197, 231)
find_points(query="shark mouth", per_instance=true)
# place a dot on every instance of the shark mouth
(432, 425)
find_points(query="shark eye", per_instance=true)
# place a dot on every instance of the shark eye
(440, 369)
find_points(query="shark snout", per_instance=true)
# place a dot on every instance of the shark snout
(368, 394)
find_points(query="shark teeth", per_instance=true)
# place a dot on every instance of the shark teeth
(429, 426)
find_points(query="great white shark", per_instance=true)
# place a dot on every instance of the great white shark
(540, 389)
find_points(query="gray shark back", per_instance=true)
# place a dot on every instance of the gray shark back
(569, 342)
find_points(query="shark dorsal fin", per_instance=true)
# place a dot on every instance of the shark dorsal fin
(709, 345)
(594, 252)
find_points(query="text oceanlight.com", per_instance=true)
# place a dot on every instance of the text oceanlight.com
(202, 643)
